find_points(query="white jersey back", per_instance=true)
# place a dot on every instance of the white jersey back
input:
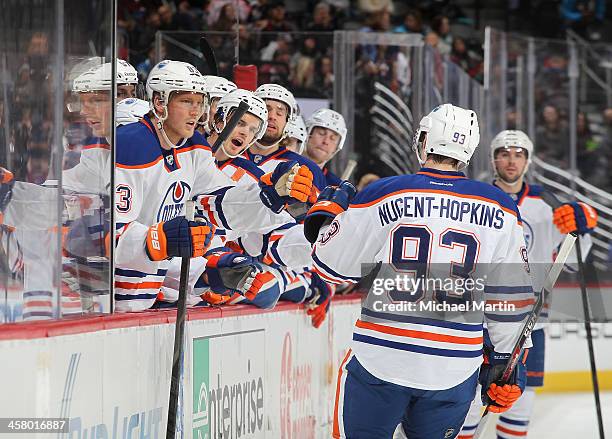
(421, 224)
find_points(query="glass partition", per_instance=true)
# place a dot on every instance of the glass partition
(53, 259)
(378, 90)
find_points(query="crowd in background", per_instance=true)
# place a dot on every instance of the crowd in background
(291, 42)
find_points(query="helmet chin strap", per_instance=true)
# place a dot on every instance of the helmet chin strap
(160, 127)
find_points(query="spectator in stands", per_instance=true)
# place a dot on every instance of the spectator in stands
(441, 26)
(584, 17)
(185, 18)
(433, 40)
(552, 137)
(375, 6)
(324, 77)
(592, 162)
(145, 67)
(167, 17)
(412, 23)
(226, 20)
(214, 8)
(322, 21)
(379, 21)
(147, 34)
(606, 144)
(275, 19)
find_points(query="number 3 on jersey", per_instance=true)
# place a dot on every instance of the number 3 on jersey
(123, 198)
(411, 252)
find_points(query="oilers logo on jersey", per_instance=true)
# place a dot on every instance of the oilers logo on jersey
(172, 205)
(257, 158)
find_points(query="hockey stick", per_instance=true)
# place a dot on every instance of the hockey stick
(243, 107)
(348, 171)
(553, 202)
(179, 334)
(551, 279)
(209, 56)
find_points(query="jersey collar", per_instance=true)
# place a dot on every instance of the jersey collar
(441, 174)
(260, 159)
(519, 196)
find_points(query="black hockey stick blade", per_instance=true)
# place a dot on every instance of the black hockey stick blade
(243, 107)
(532, 319)
(179, 335)
(209, 56)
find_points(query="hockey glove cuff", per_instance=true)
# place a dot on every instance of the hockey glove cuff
(575, 217)
(320, 300)
(497, 395)
(332, 202)
(178, 238)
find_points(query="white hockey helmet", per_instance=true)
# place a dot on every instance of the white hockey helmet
(448, 131)
(326, 118)
(257, 107)
(168, 76)
(99, 78)
(512, 139)
(279, 93)
(173, 76)
(217, 86)
(131, 110)
(297, 129)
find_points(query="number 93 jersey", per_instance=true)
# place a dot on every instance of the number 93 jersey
(415, 225)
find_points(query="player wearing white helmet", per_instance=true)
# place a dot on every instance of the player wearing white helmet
(410, 363)
(326, 136)
(511, 152)
(282, 108)
(296, 135)
(268, 152)
(91, 94)
(162, 162)
(216, 87)
(250, 128)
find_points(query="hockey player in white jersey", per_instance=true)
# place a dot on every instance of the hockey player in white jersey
(511, 152)
(216, 88)
(296, 135)
(162, 162)
(326, 131)
(422, 368)
(85, 189)
(268, 152)
(294, 282)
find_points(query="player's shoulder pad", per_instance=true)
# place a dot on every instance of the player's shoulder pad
(488, 191)
(198, 139)
(378, 190)
(248, 166)
(137, 146)
(535, 190)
